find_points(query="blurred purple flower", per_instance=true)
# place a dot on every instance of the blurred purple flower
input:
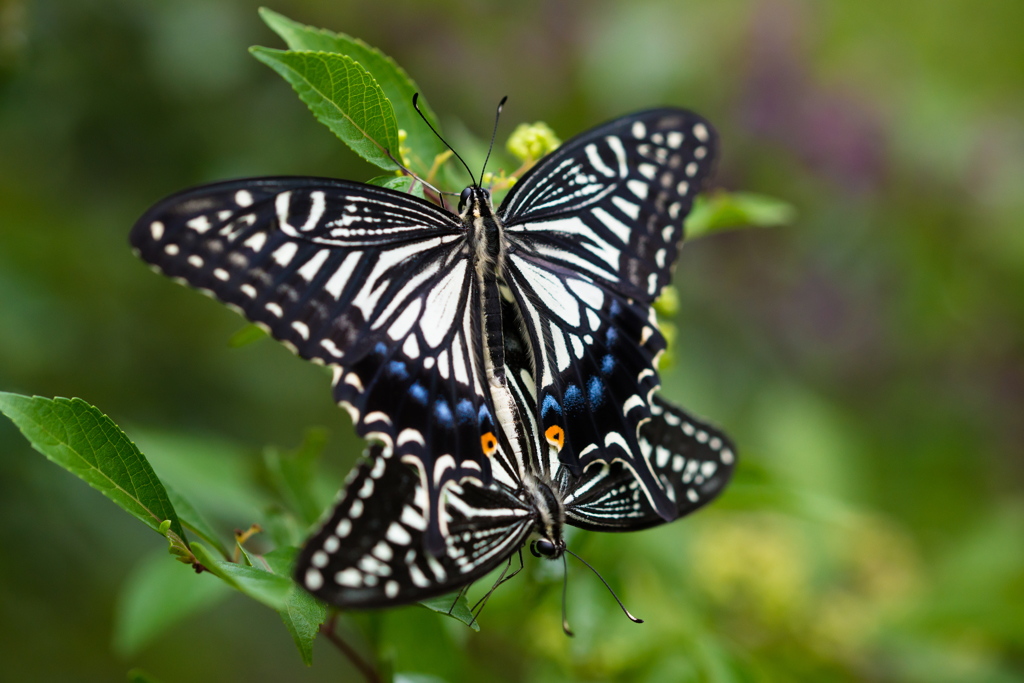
(832, 131)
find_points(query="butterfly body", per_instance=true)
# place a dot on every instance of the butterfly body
(502, 361)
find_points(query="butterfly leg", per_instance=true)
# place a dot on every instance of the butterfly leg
(482, 602)
(462, 591)
(509, 577)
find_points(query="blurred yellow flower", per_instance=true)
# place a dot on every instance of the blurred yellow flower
(531, 141)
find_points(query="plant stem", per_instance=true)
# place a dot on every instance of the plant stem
(365, 668)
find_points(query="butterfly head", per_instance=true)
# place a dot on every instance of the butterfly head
(473, 196)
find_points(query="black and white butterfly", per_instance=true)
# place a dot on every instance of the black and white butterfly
(502, 362)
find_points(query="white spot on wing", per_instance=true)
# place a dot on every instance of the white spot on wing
(311, 267)
(200, 224)
(411, 347)
(314, 579)
(256, 241)
(627, 207)
(638, 187)
(562, 359)
(340, 278)
(595, 160)
(156, 229)
(243, 198)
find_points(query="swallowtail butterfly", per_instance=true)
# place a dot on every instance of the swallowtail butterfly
(501, 362)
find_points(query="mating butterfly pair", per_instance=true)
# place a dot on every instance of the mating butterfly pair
(501, 362)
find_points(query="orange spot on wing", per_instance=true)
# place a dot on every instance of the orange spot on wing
(555, 435)
(489, 443)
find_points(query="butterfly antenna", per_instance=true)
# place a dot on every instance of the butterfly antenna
(493, 134)
(415, 106)
(565, 589)
(625, 611)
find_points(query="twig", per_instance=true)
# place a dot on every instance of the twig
(365, 668)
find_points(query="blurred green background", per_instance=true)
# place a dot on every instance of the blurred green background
(868, 359)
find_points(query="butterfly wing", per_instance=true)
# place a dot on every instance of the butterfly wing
(370, 552)
(374, 283)
(593, 231)
(692, 460)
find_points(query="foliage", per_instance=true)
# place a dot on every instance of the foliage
(866, 358)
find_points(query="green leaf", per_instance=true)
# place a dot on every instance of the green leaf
(461, 611)
(87, 443)
(293, 474)
(281, 526)
(193, 521)
(302, 614)
(140, 676)
(724, 210)
(404, 183)
(258, 584)
(393, 80)
(247, 335)
(157, 595)
(343, 96)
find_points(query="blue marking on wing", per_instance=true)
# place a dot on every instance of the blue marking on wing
(418, 393)
(573, 399)
(549, 404)
(464, 412)
(443, 413)
(595, 388)
(608, 364)
(396, 368)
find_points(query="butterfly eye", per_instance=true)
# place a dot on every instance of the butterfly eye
(466, 194)
(542, 548)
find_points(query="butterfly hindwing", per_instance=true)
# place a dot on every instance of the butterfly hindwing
(376, 284)
(370, 553)
(692, 459)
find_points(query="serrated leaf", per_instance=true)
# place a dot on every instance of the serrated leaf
(393, 80)
(140, 676)
(247, 335)
(158, 594)
(192, 520)
(258, 584)
(293, 474)
(404, 183)
(725, 210)
(81, 439)
(460, 612)
(343, 95)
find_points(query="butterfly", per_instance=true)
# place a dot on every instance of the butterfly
(501, 361)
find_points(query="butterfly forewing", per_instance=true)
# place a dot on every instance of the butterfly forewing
(371, 553)
(377, 284)
(611, 202)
